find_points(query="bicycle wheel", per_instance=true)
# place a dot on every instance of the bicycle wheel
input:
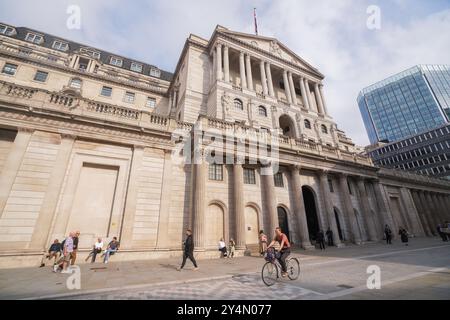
(293, 268)
(269, 274)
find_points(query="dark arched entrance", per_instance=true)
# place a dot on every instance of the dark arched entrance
(311, 212)
(283, 221)
(338, 224)
(287, 125)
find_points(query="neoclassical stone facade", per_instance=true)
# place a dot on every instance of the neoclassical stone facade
(236, 140)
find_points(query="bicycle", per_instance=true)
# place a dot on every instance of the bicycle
(272, 268)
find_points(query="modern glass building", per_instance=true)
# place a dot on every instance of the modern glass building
(406, 104)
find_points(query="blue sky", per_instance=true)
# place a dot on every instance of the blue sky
(330, 34)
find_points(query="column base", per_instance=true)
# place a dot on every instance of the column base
(308, 247)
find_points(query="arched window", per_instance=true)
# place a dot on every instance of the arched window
(75, 83)
(307, 124)
(324, 129)
(238, 104)
(262, 111)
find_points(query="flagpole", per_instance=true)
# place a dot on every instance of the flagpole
(256, 21)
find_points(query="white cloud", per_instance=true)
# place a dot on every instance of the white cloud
(332, 35)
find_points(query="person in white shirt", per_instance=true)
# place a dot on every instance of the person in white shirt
(98, 247)
(222, 248)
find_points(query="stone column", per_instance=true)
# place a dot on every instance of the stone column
(263, 78)
(199, 205)
(367, 213)
(411, 212)
(126, 237)
(299, 207)
(328, 205)
(40, 238)
(425, 205)
(308, 94)
(270, 199)
(164, 208)
(445, 209)
(249, 72)
(421, 212)
(383, 207)
(318, 98)
(439, 211)
(242, 70)
(286, 87)
(348, 207)
(219, 62)
(269, 80)
(292, 89)
(433, 211)
(239, 206)
(322, 98)
(12, 164)
(226, 63)
(214, 65)
(303, 93)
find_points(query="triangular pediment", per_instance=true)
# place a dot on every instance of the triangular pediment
(272, 46)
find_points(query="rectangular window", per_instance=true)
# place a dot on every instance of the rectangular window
(91, 53)
(249, 176)
(6, 30)
(116, 62)
(278, 180)
(106, 91)
(136, 67)
(155, 72)
(129, 97)
(330, 185)
(151, 102)
(41, 76)
(215, 172)
(10, 69)
(35, 38)
(60, 45)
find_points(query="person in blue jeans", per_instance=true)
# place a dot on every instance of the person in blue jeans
(112, 248)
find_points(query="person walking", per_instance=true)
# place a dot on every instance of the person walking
(321, 239)
(231, 248)
(329, 234)
(67, 253)
(75, 247)
(222, 248)
(262, 242)
(188, 251)
(404, 236)
(388, 234)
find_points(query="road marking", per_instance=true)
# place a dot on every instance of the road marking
(374, 255)
(347, 292)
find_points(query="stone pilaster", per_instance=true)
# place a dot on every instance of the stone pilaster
(308, 94)
(242, 70)
(292, 89)
(263, 78)
(270, 198)
(318, 99)
(12, 165)
(270, 80)
(322, 98)
(303, 93)
(433, 210)
(421, 212)
(383, 206)
(239, 205)
(41, 232)
(126, 238)
(286, 87)
(411, 212)
(226, 64)
(249, 72)
(164, 209)
(348, 207)
(299, 207)
(425, 205)
(219, 72)
(328, 205)
(367, 213)
(198, 205)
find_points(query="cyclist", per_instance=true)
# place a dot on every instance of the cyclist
(285, 249)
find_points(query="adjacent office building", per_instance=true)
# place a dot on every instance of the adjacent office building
(409, 103)
(407, 119)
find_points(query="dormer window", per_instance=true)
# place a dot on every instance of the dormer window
(6, 30)
(91, 53)
(154, 72)
(116, 62)
(35, 38)
(137, 67)
(60, 45)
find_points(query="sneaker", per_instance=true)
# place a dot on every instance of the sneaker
(284, 274)
(42, 265)
(55, 268)
(178, 269)
(195, 269)
(106, 262)
(66, 271)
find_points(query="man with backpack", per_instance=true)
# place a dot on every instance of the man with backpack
(188, 250)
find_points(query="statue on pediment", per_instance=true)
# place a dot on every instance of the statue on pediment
(275, 48)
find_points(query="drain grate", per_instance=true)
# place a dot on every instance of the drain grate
(344, 286)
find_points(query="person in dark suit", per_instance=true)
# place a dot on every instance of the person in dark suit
(188, 251)
(329, 234)
(321, 239)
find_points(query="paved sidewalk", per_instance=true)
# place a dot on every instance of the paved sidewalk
(98, 278)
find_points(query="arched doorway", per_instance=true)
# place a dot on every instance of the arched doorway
(338, 224)
(283, 221)
(251, 226)
(215, 223)
(311, 212)
(287, 125)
